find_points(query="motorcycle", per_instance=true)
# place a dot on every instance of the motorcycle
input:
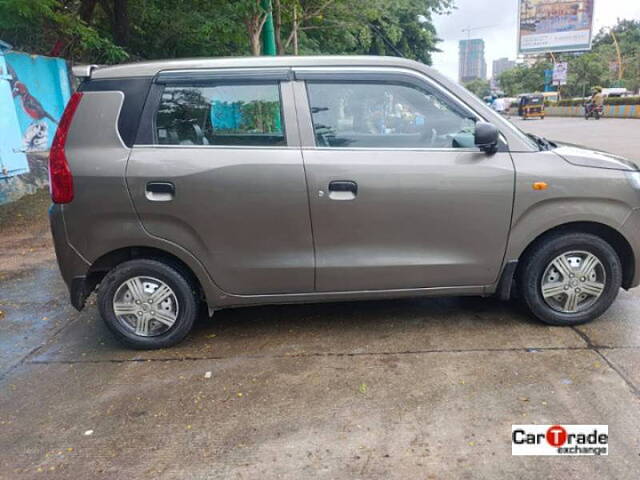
(592, 110)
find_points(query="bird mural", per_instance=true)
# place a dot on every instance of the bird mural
(13, 77)
(30, 104)
(36, 135)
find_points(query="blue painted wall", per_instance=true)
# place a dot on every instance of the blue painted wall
(13, 161)
(37, 89)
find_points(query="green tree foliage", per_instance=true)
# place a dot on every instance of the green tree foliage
(111, 31)
(586, 71)
(375, 27)
(627, 33)
(523, 79)
(40, 26)
(479, 86)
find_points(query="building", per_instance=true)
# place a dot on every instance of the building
(500, 65)
(472, 64)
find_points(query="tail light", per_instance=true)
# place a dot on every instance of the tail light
(60, 177)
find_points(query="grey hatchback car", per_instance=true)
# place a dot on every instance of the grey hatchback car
(215, 183)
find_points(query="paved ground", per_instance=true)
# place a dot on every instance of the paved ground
(617, 135)
(398, 389)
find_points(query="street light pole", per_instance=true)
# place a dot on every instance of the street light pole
(268, 32)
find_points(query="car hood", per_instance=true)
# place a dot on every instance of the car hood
(587, 157)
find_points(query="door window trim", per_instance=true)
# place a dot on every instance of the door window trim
(393, 75)
(147, 134)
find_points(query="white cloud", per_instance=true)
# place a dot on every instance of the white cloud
(495, 21)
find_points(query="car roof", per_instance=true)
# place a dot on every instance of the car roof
(151, 68)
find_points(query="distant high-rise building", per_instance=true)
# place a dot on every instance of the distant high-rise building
(500, 65)
(471, 62)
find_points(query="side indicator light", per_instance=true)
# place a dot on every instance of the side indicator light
(540, 185)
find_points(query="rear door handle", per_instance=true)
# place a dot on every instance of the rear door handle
(160, 191)
(343, 190)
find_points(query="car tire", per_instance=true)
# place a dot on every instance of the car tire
(558, 266)
(148, 304)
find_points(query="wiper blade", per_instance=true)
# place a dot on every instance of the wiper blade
(543, 143)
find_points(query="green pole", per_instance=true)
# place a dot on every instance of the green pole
(268, 33)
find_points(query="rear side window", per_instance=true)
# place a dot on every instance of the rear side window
(135, 92)
(233, 114)
(385, 115)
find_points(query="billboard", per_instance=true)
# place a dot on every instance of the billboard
(554, 25)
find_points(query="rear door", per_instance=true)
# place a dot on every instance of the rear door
(217, 169)
(400, 197)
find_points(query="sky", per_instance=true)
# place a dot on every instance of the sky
(498, 19)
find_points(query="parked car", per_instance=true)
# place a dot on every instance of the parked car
(215, 183)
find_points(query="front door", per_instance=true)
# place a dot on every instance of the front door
(400, 197)
(223, 178)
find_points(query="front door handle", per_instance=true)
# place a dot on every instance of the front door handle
(343, 190)
(160, 191)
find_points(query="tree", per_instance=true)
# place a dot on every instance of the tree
(374, 27)
(110, 31)
(627, 35)
(586, 71)
(190, 28)
(479, 86)
(254, 18)
(523, 78)
(56, 27)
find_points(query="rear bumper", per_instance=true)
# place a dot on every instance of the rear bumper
(71, 264)
(631, 231)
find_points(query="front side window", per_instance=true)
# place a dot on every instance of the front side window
(385, 115)
(236, 115)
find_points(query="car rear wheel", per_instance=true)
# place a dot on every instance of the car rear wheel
(147, 304)
(570, 279)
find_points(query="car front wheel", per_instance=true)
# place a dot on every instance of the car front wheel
(570, 279)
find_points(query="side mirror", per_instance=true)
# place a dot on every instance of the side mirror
(486, 137)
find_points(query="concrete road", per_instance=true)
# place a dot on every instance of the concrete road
(616, 135)
(424, 388)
